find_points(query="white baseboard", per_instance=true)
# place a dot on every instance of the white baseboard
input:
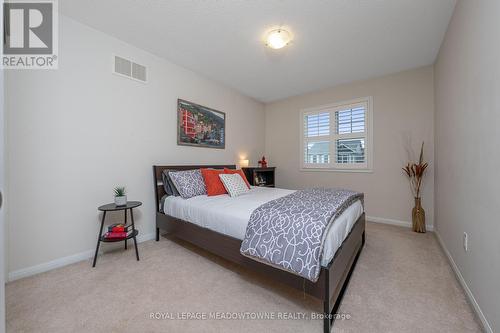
(47, 266)
(468, 292)
(406, 224)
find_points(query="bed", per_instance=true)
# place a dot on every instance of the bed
(217, 224)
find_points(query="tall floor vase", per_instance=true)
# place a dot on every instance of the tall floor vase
(418, 217)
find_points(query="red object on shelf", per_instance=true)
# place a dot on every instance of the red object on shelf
(115, 235)
(118, 229)
(263, 162)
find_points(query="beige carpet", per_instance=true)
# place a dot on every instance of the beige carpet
(402, 283)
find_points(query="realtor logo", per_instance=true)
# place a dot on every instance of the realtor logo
(30, 34)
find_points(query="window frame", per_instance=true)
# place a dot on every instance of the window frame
(367, 166)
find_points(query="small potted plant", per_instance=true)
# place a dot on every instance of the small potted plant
(120, 196)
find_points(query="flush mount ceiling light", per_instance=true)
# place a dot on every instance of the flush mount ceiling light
(278, 38)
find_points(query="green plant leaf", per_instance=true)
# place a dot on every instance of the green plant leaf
(119, 191)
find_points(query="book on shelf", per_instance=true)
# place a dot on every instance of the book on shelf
(111, 235)
(119, 227)
(120, 234)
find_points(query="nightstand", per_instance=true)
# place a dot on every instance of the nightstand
(260, 176)
(112, 208)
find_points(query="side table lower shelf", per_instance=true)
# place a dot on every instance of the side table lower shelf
(121, 239)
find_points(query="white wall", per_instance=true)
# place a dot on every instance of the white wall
(76, 132)
(2, 191)
(402, 108)
(467, 83)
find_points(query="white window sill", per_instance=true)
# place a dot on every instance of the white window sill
(336, 170)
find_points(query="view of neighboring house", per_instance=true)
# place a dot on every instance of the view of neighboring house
(350, 151)
(347, 151)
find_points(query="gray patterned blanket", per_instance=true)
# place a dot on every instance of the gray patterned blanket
(289, 232)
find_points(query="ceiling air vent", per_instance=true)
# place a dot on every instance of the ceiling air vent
(130, 69)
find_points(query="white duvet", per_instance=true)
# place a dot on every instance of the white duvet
(230, 216)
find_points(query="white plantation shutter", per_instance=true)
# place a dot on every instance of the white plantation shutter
(337, 136)
(317, 124)
(350, 120)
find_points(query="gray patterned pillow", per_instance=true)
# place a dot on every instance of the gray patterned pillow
(189, 183)
(234, 184)
(168, 185)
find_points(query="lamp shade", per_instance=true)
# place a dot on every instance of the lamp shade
(243, 163)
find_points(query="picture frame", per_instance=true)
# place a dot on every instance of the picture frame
(200, 126)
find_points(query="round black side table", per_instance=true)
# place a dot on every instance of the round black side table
(111, 208)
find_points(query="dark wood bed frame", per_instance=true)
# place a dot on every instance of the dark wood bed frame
(332, 282)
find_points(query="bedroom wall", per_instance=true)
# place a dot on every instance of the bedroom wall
(2, 191)
(467, 83)
(3, 239)
(403, 108)
(76, 132)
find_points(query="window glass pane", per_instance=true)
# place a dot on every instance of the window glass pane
(317, 124)
(350, 120)
(350, 151)
(317, 152)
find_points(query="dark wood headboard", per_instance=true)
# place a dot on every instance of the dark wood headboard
(158, 180)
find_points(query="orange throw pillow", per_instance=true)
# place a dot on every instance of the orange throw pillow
(212, 182)
(240, 172)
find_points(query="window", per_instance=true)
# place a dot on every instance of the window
(337, 136)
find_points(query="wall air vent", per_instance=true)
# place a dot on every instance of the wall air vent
(130, 69)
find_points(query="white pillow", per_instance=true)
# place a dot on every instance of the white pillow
(234, 184)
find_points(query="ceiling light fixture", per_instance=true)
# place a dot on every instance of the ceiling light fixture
(278, 38)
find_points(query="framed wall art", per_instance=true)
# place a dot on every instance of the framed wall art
(200, 126)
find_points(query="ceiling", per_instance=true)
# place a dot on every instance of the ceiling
(335, 41)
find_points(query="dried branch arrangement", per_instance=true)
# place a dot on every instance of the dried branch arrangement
(415, 173)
